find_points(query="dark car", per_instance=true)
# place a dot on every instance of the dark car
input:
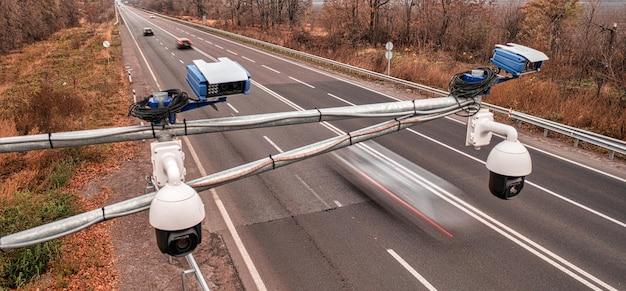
(148, 31)
(183, 43)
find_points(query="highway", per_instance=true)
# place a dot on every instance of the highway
(306, 227)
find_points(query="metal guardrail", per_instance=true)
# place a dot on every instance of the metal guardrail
(613, 145)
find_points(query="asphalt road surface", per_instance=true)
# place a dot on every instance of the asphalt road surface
(309, 227)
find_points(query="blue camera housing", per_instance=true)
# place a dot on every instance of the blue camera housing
(517, 59)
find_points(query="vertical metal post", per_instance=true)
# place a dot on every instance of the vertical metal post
(196, 270)
(611, 155)
(576, 143)
(545, 133)
(388, 67)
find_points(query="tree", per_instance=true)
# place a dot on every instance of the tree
(408, 9)
(545, 21)
(375, 6)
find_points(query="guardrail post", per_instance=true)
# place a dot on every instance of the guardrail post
(611, 155)
(576, 143)
(545, 132)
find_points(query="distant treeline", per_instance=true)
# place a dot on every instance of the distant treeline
(27, 21)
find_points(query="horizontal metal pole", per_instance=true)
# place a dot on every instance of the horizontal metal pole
(78, 222)
(602, 141)
(305, 152)
(75, 223)
(137, 132)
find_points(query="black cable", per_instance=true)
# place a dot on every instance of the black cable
(142, 109)
(462, 89)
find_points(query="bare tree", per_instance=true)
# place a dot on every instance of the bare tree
(375, 6)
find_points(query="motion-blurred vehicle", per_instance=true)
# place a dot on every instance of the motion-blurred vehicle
(147, 31)
(183, 43)
(401, 187)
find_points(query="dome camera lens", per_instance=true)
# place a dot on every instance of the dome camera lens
(182, 243)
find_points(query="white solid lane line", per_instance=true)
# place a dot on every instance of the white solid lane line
(521, 240)
(156, 82)
(254, 273)
(256, 277)
(273, 144)
(217, 46)
(232, 107)
(341, 99)
(313, 191)
(589, 209)
(271, 69)
(411, 270)
(303, 83)
(232, 52)
(245, 58)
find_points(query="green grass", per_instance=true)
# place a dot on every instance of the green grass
(27, 210)
(61, 174)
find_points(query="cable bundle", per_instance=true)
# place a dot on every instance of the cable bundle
(461, 89)
(142, 109)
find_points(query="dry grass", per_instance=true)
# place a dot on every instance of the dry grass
(64, 83)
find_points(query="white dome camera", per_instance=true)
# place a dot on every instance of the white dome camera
(176, 213)
(509, 163)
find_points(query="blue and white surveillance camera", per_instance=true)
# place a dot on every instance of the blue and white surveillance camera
(518, 59)
(221, 78)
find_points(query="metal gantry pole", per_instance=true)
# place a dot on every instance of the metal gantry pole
(142, 132)
(78, 222)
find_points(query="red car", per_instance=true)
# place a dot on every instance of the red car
(183, 43)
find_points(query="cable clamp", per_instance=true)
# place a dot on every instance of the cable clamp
(399, 123)
(50, 140)
(320, 112)
(273, 162)
(350, 137)
(414, 108)
(103, 216)
(185, 123)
